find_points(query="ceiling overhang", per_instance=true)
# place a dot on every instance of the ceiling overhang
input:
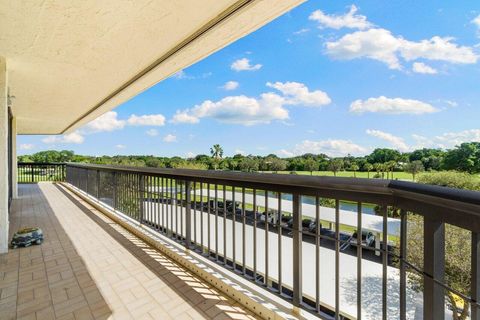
(69, 62)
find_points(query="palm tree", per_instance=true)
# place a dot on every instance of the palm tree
(369, 167)
(354, 167)
(217, 152)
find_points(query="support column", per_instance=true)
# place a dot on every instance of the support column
(3, 158)
(14, 159)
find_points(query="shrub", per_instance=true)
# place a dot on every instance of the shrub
(452, 179)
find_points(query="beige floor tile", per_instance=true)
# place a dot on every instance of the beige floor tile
(91, 268)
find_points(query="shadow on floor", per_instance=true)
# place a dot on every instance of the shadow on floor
(197, 293)
(50, 280)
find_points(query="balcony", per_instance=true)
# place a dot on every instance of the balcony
(89, 267)
(123, 242)
(251, 229)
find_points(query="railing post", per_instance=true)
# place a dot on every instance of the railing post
(141, 193)
(403, 257)
(32, 173)
(297, 250)
(114, 190)
(434, 268)
(97, 189)
(475, 282)
(188, 215)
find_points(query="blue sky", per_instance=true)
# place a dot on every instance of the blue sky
(335, 77)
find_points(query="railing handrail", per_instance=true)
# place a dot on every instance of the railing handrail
(42, 163)
(381, 187)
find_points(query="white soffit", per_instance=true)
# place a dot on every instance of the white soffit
(69, 62)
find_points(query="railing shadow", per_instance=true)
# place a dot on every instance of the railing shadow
(52, 279)
(200, 296)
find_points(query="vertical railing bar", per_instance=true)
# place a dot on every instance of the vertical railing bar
(164, 207)
(208, 218)
(403, 257)
(475, 277)
(97, 191)
(279, 243)
(297, 250)
(158, 204)
(216, 222)
(317, 253)
(434, 269)
(177, 236)
(337, 259)
(182, 233)
(195, 213)
(234, 226)
(114, 188)
(266, 238)
(359, 260)
(188, 214)
(172, 204)
(384, 263)
(167, 196)
(225, 256)
(244, 269)
(201, 216)
(255, 235)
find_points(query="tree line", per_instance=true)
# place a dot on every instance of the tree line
(381, 162)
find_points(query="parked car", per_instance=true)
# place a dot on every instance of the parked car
(270, 217)
(368, 239)
(285, 220)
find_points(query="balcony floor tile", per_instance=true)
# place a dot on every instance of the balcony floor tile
(88, 267)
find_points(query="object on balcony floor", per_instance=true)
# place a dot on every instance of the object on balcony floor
(26, 237)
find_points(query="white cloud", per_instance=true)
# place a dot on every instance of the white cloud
(391, 106)
(285, 153)
(230, 85)
(146, 120)
(446, 140)
(120, 146)
(397, 142)
(348, 20)
(106, 122)
(381, 45)
(181, 75)
(452, 139)
(190, 155)
(184, 117)
(170, 138)
(70, 138)
(26, 146)
(238, 110)
(251, 111)
(476, 21)
(301, 31)
(451, 103)
(240, 151)
(420, 67)
(244, 65)
(377, 44)
(297, 93)
(333, 148)
(152, 132)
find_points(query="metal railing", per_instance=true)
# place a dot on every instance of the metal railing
(39, 172)
(303, 237)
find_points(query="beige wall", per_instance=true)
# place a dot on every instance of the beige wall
(3, 158)
(14, 158)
